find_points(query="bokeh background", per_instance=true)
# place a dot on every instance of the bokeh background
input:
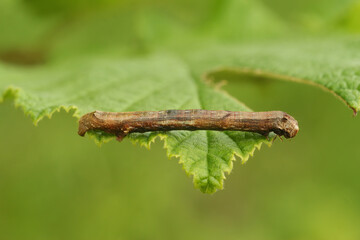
(57, 185)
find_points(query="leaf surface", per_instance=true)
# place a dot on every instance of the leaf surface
(330, 64)
(134, 85)
(162, 63)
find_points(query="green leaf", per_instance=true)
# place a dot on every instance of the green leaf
(332, 64)
(139, 84)
(119, 60)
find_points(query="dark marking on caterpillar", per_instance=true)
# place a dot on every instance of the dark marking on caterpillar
(123, 123)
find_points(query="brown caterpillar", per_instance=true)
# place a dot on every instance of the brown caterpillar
(123, 123)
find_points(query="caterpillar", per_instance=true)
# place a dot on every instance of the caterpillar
(123, 123)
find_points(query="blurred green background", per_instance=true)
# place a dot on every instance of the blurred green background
(57, 185)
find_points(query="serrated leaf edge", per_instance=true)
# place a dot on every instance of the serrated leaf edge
(243, 158)
(274, 76)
